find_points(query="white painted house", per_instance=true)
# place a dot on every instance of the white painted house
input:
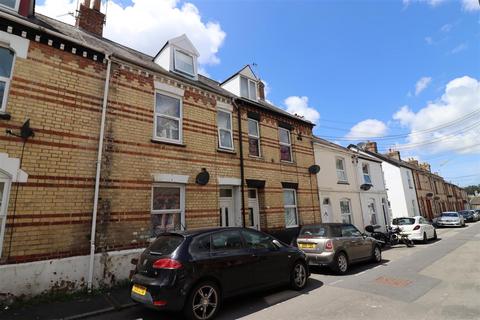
(398, 181)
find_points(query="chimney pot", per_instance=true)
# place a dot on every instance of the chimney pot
(394, 154)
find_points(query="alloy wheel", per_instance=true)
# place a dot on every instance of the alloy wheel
(205, 302)
(342, 263)
(300, 275)
(378, 254)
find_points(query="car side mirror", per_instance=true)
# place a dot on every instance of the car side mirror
(277, 243)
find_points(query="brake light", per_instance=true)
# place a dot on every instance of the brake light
(416, 227)
(167, 264)
(329, 245)
(160, 303)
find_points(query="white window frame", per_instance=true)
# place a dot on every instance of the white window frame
(180, 119)
(4, 208)
(248, 88)
(342, 172)
(3, 103)
(254, 137)
(289, 206)
(367, 165)
(409, 180)
(350, 213)
(17, 5)
(176, 69)
(225, 129)
(289, 145)
(181, 211)
(373, 209)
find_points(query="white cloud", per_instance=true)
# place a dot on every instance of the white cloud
(461, 47)
(470, 5)
(437, 128)
(446, 27)
(299, 105)
(432, 3)
(146, 25)
(429, 40)
(422, 84)
(370, 128)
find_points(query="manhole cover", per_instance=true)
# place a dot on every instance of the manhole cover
(392, 282)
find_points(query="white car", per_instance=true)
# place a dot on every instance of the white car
(417, 228)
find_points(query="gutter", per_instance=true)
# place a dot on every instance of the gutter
(97, 176)
(242, 164)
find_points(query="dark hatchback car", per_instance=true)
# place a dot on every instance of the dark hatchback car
(195, 270)
(468, 215)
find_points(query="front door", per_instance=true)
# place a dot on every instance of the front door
(227, 207)
(253, 220)
(326, 210)
(4, 193)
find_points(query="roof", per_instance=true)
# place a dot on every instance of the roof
(395, 162)
(239, 71)
(141, 59)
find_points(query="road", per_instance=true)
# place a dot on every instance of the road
(439, 280)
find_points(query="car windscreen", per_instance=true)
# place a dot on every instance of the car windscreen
(465, 213)
(450, 214)
(166, 244)
(403, 221)
(313, 231)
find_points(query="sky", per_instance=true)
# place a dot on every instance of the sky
(403, 73)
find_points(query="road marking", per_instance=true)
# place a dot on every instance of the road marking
(356, 275)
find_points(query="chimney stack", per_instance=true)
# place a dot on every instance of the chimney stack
(413, 161)
(26, 8)
(261, 90)
(425, 166)
(89, 17)
(371, 146)
(394, 154)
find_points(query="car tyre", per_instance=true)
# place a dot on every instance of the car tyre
(203, 301)
(298, 276)
(340, 263)
(425, 238)
(377, 254)
(435, 237)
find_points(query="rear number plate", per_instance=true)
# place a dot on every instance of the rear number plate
(306, 245)
(139, 290)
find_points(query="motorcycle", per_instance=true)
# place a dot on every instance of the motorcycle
(392, 237)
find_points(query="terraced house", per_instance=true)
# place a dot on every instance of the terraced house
(108, 146)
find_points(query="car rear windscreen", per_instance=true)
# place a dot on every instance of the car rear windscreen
(450, 214)
(314, 231)
(166, 244)
(403, 221)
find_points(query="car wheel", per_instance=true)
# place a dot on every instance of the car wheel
(298, 277)
(425, 239)
(203, 302)
(377, 254)
(340, 263)
(435, 237)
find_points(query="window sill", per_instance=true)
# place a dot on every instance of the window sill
(5, 116)
(259, 158)
(226, 151)
(343, 182)
(168, 142)
(291, 163)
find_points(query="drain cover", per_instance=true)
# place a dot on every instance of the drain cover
(392, 282)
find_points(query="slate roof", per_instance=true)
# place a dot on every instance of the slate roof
(144, 60)
(337, 146)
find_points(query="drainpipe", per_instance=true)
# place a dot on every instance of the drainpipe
(97, 176)
(242, 165)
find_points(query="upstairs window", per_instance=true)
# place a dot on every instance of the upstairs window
(11, 4)
(6, 64)
(285, 145)
(168, 118)
(248, 88)
(253, 138)
(366, 173)
(183, 63)
(225, 136)
(341, 173)
(409, 179)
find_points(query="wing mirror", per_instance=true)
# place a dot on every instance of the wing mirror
(277, 243)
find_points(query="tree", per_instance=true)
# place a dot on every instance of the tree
(472, 189)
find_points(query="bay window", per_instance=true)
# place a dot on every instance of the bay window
(290, 206)
(285, 145)
(168, 203)
(6, 65)
(225, 134)
(168, 118)
(253, 138)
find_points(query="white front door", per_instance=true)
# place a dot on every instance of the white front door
(227, 208)
(253, 218)
(4, 193)
(326, 210)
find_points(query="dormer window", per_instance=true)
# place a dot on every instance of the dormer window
(248, 88)
(183, 62)
(10, 4)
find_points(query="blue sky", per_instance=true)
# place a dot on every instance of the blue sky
(349, 60)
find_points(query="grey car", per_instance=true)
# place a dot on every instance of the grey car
(337, 245)
(450, 219)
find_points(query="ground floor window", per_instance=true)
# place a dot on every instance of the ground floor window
(346, 211)
(168, 207)
(4, 195)
(290, 205)
(373, 211)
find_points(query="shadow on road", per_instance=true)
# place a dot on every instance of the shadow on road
(353, 269)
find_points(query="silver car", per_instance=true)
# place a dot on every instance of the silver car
(337, 245)
(450, 219)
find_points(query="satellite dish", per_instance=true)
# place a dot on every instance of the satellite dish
(25, 131)
(203, 177)
(314, 169)
(366, 186)
(429, 194)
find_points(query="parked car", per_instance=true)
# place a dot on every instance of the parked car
(450, 219)
(477, 214)
(417, 228)
(468, 215)
(337, 245)
(195, 270)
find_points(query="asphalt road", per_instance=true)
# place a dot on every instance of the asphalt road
(439, 280)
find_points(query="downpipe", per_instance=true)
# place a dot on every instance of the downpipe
(97, 175)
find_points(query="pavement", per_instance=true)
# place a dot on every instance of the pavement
(439, 280)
